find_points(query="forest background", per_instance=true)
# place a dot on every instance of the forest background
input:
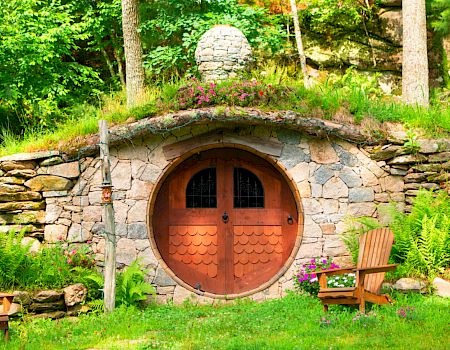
(59, 57)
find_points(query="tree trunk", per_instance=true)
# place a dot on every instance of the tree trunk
(109, 64)
(298, 39)
(133, 53)
(415, 58)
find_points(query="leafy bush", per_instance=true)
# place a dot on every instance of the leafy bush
(306, 280)
(52, 267)
(15, 261)
(355, 228)
(422, 238)
(131, 287)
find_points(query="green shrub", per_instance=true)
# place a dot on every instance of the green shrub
(131, 287)
(15, 261)
(422, 238)
(54, 266)
(355, 228)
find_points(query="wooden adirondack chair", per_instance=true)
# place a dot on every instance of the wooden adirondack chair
(6, 300)
(374, 250)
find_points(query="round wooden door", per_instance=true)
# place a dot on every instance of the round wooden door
(225, 221)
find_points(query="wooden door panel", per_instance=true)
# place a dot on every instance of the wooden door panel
(193, 250)
(258, 216)
(257, 255)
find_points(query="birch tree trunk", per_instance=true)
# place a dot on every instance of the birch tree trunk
(415, 90)
(298, 40)
(133, 53)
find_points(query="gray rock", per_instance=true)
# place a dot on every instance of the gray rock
(162, 279)
(323, 174)
(346, 157)
(361, 194)
(22, 297)
(51, 161)
(137, 231)
(68, 170)
(350, 178)
(335, 188)
(291, 155)
(288, 136)
(51, 315)
(442, 287)
(409, 285)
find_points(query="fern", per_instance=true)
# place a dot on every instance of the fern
(131, 287)
(356, 227)
(96, 306)
(422, 238)
(14, 259)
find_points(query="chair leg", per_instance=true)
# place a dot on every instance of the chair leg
(6, 335)
(325, 308)
(362, 306)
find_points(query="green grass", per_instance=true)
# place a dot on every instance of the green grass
(289, 323)
(353, 99)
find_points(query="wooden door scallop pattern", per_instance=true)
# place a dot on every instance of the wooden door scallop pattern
(225, 222)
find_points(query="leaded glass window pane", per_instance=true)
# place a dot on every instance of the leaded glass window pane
(201, 191)
(248, 190)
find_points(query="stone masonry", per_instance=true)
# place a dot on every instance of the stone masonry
(56, 200)
(222, 52)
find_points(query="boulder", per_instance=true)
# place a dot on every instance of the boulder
(75, 294)
(47, 296)
(409, 285)
(46, 307)
(49, 183)
(9, 188)
(22, 297)
(51, 161)
(442, 287)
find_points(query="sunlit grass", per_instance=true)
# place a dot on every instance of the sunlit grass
(293, 322)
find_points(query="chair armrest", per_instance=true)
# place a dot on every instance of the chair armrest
(335, 271)
(376, 269)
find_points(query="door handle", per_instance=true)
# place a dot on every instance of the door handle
(225, 217)
(290, 219)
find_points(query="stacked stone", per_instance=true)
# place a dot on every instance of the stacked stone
(427, 168)
(222, 52)
(50, 303)
(23, 192)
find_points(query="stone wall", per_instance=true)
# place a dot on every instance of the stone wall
(57, 200)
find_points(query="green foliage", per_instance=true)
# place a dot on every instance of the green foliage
(440, 12)
(422, 238)
(411, 145)
(355, 228)
(14, 259)
(52, 267)
(38, 69)
(171, 29)
(335, 17)
(131, 287)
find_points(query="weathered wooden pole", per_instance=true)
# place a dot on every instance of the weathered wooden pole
(108, 218)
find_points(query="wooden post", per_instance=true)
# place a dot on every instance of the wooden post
(108, 218)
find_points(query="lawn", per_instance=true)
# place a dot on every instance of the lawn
(293, 322)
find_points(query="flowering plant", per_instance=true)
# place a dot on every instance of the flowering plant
(306, 280)
(365, 320)
(238, 93)
(407, 313)
(79, 256)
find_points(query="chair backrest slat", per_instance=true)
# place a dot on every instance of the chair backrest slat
(374, 250)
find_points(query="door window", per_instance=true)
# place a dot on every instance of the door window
(201, 191)
(248, 190)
